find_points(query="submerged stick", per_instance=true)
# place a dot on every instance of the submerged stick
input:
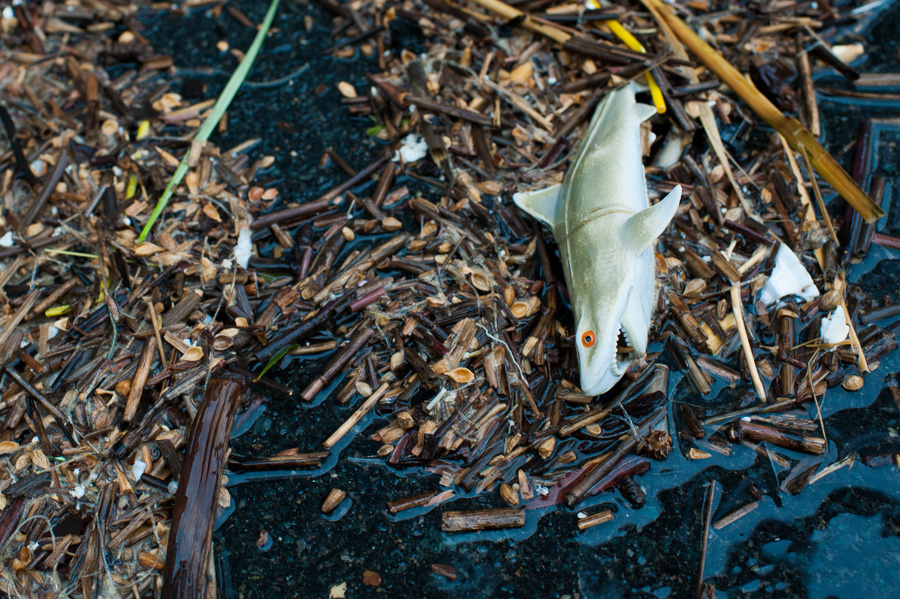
(704, 540)
(797, 135)
(187, 554)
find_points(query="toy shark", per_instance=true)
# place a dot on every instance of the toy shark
(605, 227)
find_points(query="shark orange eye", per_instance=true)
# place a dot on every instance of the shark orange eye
(587, 339)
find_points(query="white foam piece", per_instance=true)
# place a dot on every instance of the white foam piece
(834, 326)
(414, 148)
(789, 277)
(244, 248)
(138, 469)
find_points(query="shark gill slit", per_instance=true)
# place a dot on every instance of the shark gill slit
(597, 213)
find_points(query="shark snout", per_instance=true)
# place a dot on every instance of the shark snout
(604, 364)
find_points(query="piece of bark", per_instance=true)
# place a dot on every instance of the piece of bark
(190, 536)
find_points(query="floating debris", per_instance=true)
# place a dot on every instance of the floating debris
(436, 307)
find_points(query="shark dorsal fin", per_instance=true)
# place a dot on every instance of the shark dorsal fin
(542, 204)
(643, 228)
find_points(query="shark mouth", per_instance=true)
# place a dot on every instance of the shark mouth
(625, 354)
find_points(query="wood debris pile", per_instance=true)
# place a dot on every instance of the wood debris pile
(451, 318)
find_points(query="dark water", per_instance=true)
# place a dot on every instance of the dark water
(838, 538)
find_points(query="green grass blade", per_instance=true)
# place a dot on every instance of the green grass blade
(276, 359)
(225, 98)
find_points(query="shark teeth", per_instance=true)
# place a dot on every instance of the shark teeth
(616, 367)
(619, 367)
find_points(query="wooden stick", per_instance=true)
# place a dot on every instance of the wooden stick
(509, 13)
(738, 311)
(337, 364)
(595, 519)
(490, 519)
(51, 299)
(140, 377)
(357, 416)
(735, 515)
(17, 318)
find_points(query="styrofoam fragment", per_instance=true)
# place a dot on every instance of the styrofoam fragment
(789, 277)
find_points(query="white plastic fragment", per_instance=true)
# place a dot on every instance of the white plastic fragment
(7, 240)
(834, 327)
(414, 148)
(789, 277)
(138, 469)
(848, 52)
(77, 492)
(244, 248)
(672, 149)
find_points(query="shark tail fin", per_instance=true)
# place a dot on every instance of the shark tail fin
(643, 228)
(542, 204)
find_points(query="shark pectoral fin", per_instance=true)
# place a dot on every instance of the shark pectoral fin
(643, 228)
(542, 204)
(644, 111)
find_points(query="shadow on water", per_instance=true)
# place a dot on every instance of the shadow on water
(838, 537)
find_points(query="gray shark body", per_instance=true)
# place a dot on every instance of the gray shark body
(605, 227)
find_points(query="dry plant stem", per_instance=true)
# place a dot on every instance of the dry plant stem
(797, 135)
(863, 364)
(338, 362)
(53, 297)
(809, 93)
(819, 199)
(140, 377)
(737, 310)
(187, 553)
(509, 13)
(357, 416)
(45, 403)
(159, 346)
